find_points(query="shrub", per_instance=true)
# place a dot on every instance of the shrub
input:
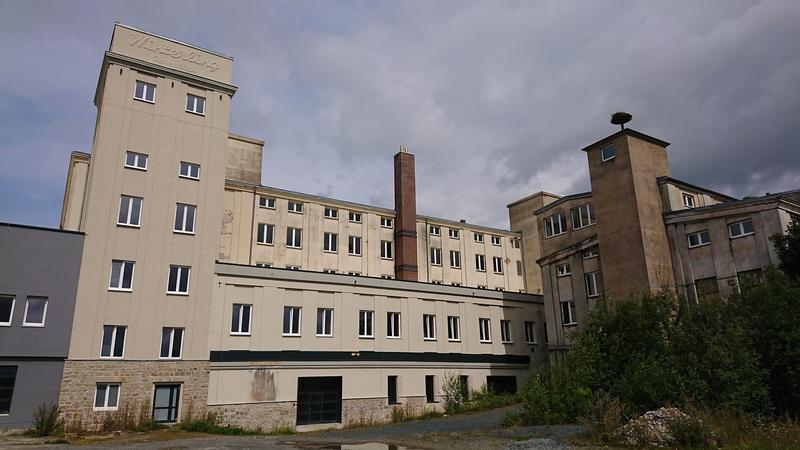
(554, 396)
(689, 432)
(209, 423)
(46, 421)
(606, 415)
(453, 397)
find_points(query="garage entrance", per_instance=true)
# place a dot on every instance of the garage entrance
(502, 384)
(319, 400)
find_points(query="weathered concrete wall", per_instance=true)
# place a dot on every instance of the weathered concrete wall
(243, 159)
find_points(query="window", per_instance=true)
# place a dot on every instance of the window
(266, 234)
(435, 230)
(135, 160)
(454, 234)
(455, 283)
(166, 399)
(263, 264)
(429, 327)
(688, 200)
(436, 256)
(331, 213)
(354, 217)
(593, 285)
(386, 249)
(480, 263)
(329, 270)
(113, 343)
(387, 276)
(750, 278)
(485, 329)
(184, 218)
(436, 281)
(455, 259)
(291, 320)
(365, 322)
(391, 389)
(516, 243)
(568, 313)
(121, 276)
(591, 253)
(240, 319)
(171, 343)
(355, 274)
(519, 268)
(505, 331)
(35, 312)
(330, 242)
(294, 237)
(563, 270)
(145, 92)
(266, 202)
(8, 376)
(495, 240)
(295, 207)
(6, 309)
(178, 282)
(497, 264)
(477, 237)
(324, 322)
(393, 324)
(195, 104)
(386, 222)
(499, 288)
(698, 239)
(429, 392)
(582, 216)
(130, 209)
(530, 335)
(189, 170)
(555, 225)
(707, 289)
(482, 286)
(742, 228)
(354, 245)
(293, 267)
(607, 153)
(453, 330)
(106, 396)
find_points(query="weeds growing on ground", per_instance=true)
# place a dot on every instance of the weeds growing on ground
(46, 421)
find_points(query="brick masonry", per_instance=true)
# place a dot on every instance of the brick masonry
(405, 222)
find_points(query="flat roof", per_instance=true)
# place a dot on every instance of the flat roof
(38, 228)
(542, 193)
(563, 199)
(172, 40)
(626, 131)
(692, 186)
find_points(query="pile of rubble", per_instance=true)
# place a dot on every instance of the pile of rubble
(653, 428)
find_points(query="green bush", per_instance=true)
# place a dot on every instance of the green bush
(554, 396)
(46, 421)
(689, 432)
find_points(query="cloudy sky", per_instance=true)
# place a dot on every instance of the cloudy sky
(494, 98)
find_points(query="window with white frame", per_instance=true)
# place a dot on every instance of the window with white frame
(263, 264)
(497, 264)
(324, 321)
(171, 343)
(328, 270)
(455, 283)
(741, 228)
(386, 249)
(590, 253)
(436, 281)
(135, 160)
(505, 331)
(184, 218)
(365, 323)
(499, 288)
(482, 286)
(330, 242)
(429, 327)
(496, 240)
(530, 334)
(477, 237)
(555, 224)
(189, 170)
(582, 216)
(453, 328)
(35, 312)
(688, 200)
(519, 268)
(516, 243)
(568, 313)
(387, 276)
(563, 270)
(698, 239)
(6, 310)
(195, 104)
(145, 92)
(485, 328)
(121, 275)
(265, 234)
(8, 377)
(436, 256)
(290, 267)
(435, 230)
(453, 233)
(178, 281)
(266, 202)
(113, 342)
(331, 213)
(106, 396)
(353, 273)
(130, 210)
(291, 320)
(455, 259)
(480, 263)
(593, 285)
(393, 324)
(387, 222)
(241, 317)
(354, 217)
(607, 153)
(354, 245)
(295, 207)
(294, 237)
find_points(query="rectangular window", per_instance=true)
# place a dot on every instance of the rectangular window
(171, 343)
(386, 249)
(485, 328)
(266, 202)
(354, 245)
(293, 267)
(113, 343)
(324, 322)
(454, 234)
(365, 323)
(130, 209)
(294, 237)
(480, 263)
(330, 242)
(386, 222)
(555, 225)
(742, 228)
(331, 213)
(530, 335)
(593, 285)
(240, 319)
(6, 310)
(355, 274)
(393, 324)
(145, 92)
(455, 283)
(478, 237)
(135, 160)
(563, 270)
(455, 259)
(750, 278)
(178, 282)
(391, 389)
(429, 327)
(329, 270)
(106, 396)
(435, 230)
(429, 392)
(582, 216)
(698, 239)
(195, 104)
(121, 276)
(688, 200)
(568, 313)
(354, 217)
(189, 170)
(166, 399)
(291, 320)
(295, 207)
(482, 286)
(8, 377)
(263, 264)
(496, 240)
(707, 289)
(184, 218)
(607, 153)
(519, 268)
(497, 264)
(436, 256)
(453, 329)
(500, 288)
(387, 276)
(591, 253)
(35, 312)
(505, 331)
(516, 243)
(266, 234)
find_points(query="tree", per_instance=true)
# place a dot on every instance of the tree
(788, 248)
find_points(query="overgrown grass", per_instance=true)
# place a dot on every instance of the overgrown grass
(457, 399)
(407, 413)
(210, 423)
(46, 421)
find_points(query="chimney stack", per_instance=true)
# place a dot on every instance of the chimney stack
(405, 222)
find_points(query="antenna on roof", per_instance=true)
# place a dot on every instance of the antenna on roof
(621, 118)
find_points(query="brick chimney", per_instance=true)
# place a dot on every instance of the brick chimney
(405, 222)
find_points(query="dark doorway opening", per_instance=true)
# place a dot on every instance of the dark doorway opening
(319, 400)
(392, 390)
(502, 384)
(429, 395)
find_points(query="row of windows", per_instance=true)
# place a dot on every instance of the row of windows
(146, 92)
(139, 161)
(130, 214)
(122, 277)
(593, 289)
(735, 230)
(582, 216)
(112, 344)
(35, 311)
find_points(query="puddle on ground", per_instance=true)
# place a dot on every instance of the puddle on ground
(367, 446)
